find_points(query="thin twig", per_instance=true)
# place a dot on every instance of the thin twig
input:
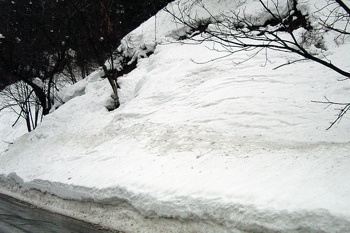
(289, 63)
(341, 113)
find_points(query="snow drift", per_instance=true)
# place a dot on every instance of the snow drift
(193, 147)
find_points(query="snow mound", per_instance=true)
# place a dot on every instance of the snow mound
(194, 146)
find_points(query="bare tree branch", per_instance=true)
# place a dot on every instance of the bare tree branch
(342, 111)
(238, 32)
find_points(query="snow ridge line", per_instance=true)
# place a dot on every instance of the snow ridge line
(117, 208)
(112, 213)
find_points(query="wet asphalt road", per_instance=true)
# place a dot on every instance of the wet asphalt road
(18, 217)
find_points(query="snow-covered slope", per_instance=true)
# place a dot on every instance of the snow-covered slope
(213, 147)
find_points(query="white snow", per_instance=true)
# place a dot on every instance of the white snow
(213, 147)
(8, 133)
(38, 82)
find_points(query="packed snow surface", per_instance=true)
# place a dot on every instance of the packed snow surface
(195, 146)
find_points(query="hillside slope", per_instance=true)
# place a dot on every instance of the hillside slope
(212, 147)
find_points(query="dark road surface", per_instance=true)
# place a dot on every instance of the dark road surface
(17, 216)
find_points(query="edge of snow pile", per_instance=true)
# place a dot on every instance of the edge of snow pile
(115, 212)
(120, 209)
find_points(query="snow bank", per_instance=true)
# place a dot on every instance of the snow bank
(211, 147)
(9, 133)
